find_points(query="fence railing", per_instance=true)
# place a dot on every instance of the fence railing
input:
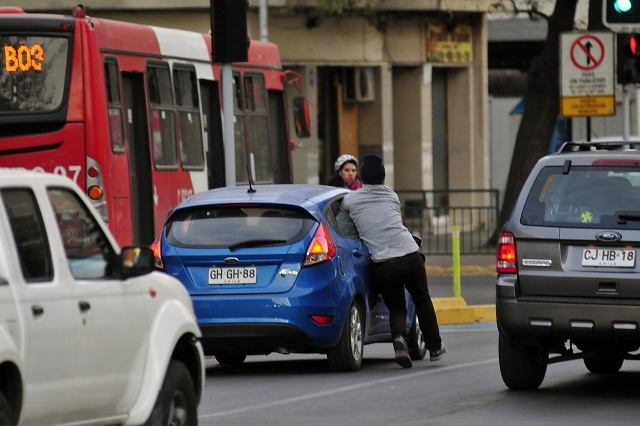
(431, 214)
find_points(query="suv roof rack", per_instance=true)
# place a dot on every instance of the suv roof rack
(611, 145)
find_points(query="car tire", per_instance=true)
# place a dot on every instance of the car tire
(415, 341)
(347, 354)
(603, 364)
(522, 367)
(176, 403)
(227, 358)
(6, 413)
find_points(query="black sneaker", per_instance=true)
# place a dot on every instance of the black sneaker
(402, 353)
(436, 355)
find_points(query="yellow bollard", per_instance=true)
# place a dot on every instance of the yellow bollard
(455, 245)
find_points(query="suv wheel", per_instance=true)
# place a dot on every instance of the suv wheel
(415, 342)
(521, 366)
(347, 354)
(603, 364)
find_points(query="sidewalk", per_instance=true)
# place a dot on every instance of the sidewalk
(477, 289)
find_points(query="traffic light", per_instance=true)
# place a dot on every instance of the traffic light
(229, 30)
(628, 58)
(621, 13)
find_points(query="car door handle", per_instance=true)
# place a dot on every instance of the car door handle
(357, 253)
(37, 310)
(84, 306)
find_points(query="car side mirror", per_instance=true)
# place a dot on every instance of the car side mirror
(136, 261)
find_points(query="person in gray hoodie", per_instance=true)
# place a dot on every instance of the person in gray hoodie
(397, 260)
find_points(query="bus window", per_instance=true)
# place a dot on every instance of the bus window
(114, 106)
(279, 139)
(162, 119)
(242, 158)
(258, 126)
(189, 124)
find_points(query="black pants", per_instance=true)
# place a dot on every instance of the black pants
(392, 276)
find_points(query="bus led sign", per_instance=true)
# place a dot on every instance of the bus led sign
(25, 57)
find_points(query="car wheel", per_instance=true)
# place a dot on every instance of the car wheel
(603, 364)
(347, 354)
(230, 358)
(522, 367)
(415, 341)
(6, 414)
(176, 403)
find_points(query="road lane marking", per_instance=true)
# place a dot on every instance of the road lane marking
(314, 395)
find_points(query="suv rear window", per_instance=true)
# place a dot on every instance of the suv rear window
(227, 226)
(585, 197)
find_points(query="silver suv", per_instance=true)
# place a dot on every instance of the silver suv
(568, 284)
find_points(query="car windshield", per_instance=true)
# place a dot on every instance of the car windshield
(585, 197)
(237, 227)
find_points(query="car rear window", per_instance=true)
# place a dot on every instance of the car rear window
(238, 226)
(585, 197)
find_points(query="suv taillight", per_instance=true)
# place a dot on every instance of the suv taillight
(506, 257)
(322, 247)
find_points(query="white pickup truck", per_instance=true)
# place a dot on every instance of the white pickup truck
(88, 333)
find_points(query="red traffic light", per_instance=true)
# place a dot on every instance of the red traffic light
(628, 58)
(632, 44)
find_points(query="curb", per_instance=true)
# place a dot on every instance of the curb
(454, 310)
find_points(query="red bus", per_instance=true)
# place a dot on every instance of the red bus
(132, 113)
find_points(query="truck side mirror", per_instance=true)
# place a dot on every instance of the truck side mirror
(136, 261)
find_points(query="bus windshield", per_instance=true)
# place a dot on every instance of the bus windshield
(33, 73)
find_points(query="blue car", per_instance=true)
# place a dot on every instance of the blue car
(278, 268)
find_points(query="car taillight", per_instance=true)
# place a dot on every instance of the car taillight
(506, 257)
(322, 247)
(157, 254)
(322, 319)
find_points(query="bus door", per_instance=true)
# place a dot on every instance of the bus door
(140, 173)
(212, 120)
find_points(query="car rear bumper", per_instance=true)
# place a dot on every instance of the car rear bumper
(256, 338)
(582, 320)
(262, 324)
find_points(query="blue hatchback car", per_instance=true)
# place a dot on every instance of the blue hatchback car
(278, 268)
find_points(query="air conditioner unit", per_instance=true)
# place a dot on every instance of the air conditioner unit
(358, 84)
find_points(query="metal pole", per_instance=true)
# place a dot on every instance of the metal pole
(625, 113)
(455, 247)
(264, 14)
(229, 131)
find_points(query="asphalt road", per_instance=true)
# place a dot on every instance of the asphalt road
(464, 388)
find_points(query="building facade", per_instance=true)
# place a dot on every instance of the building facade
(406, 79)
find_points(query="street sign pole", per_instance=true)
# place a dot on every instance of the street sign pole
(626, 113)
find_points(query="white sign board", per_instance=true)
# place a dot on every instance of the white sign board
(586, 74)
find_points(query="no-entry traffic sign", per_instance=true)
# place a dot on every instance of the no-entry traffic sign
(588, 86)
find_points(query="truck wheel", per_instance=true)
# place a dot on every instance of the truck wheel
(176, 403)
(347, 354)
(6, 414)
(603, 364)
(521, 367)
(415, 341)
